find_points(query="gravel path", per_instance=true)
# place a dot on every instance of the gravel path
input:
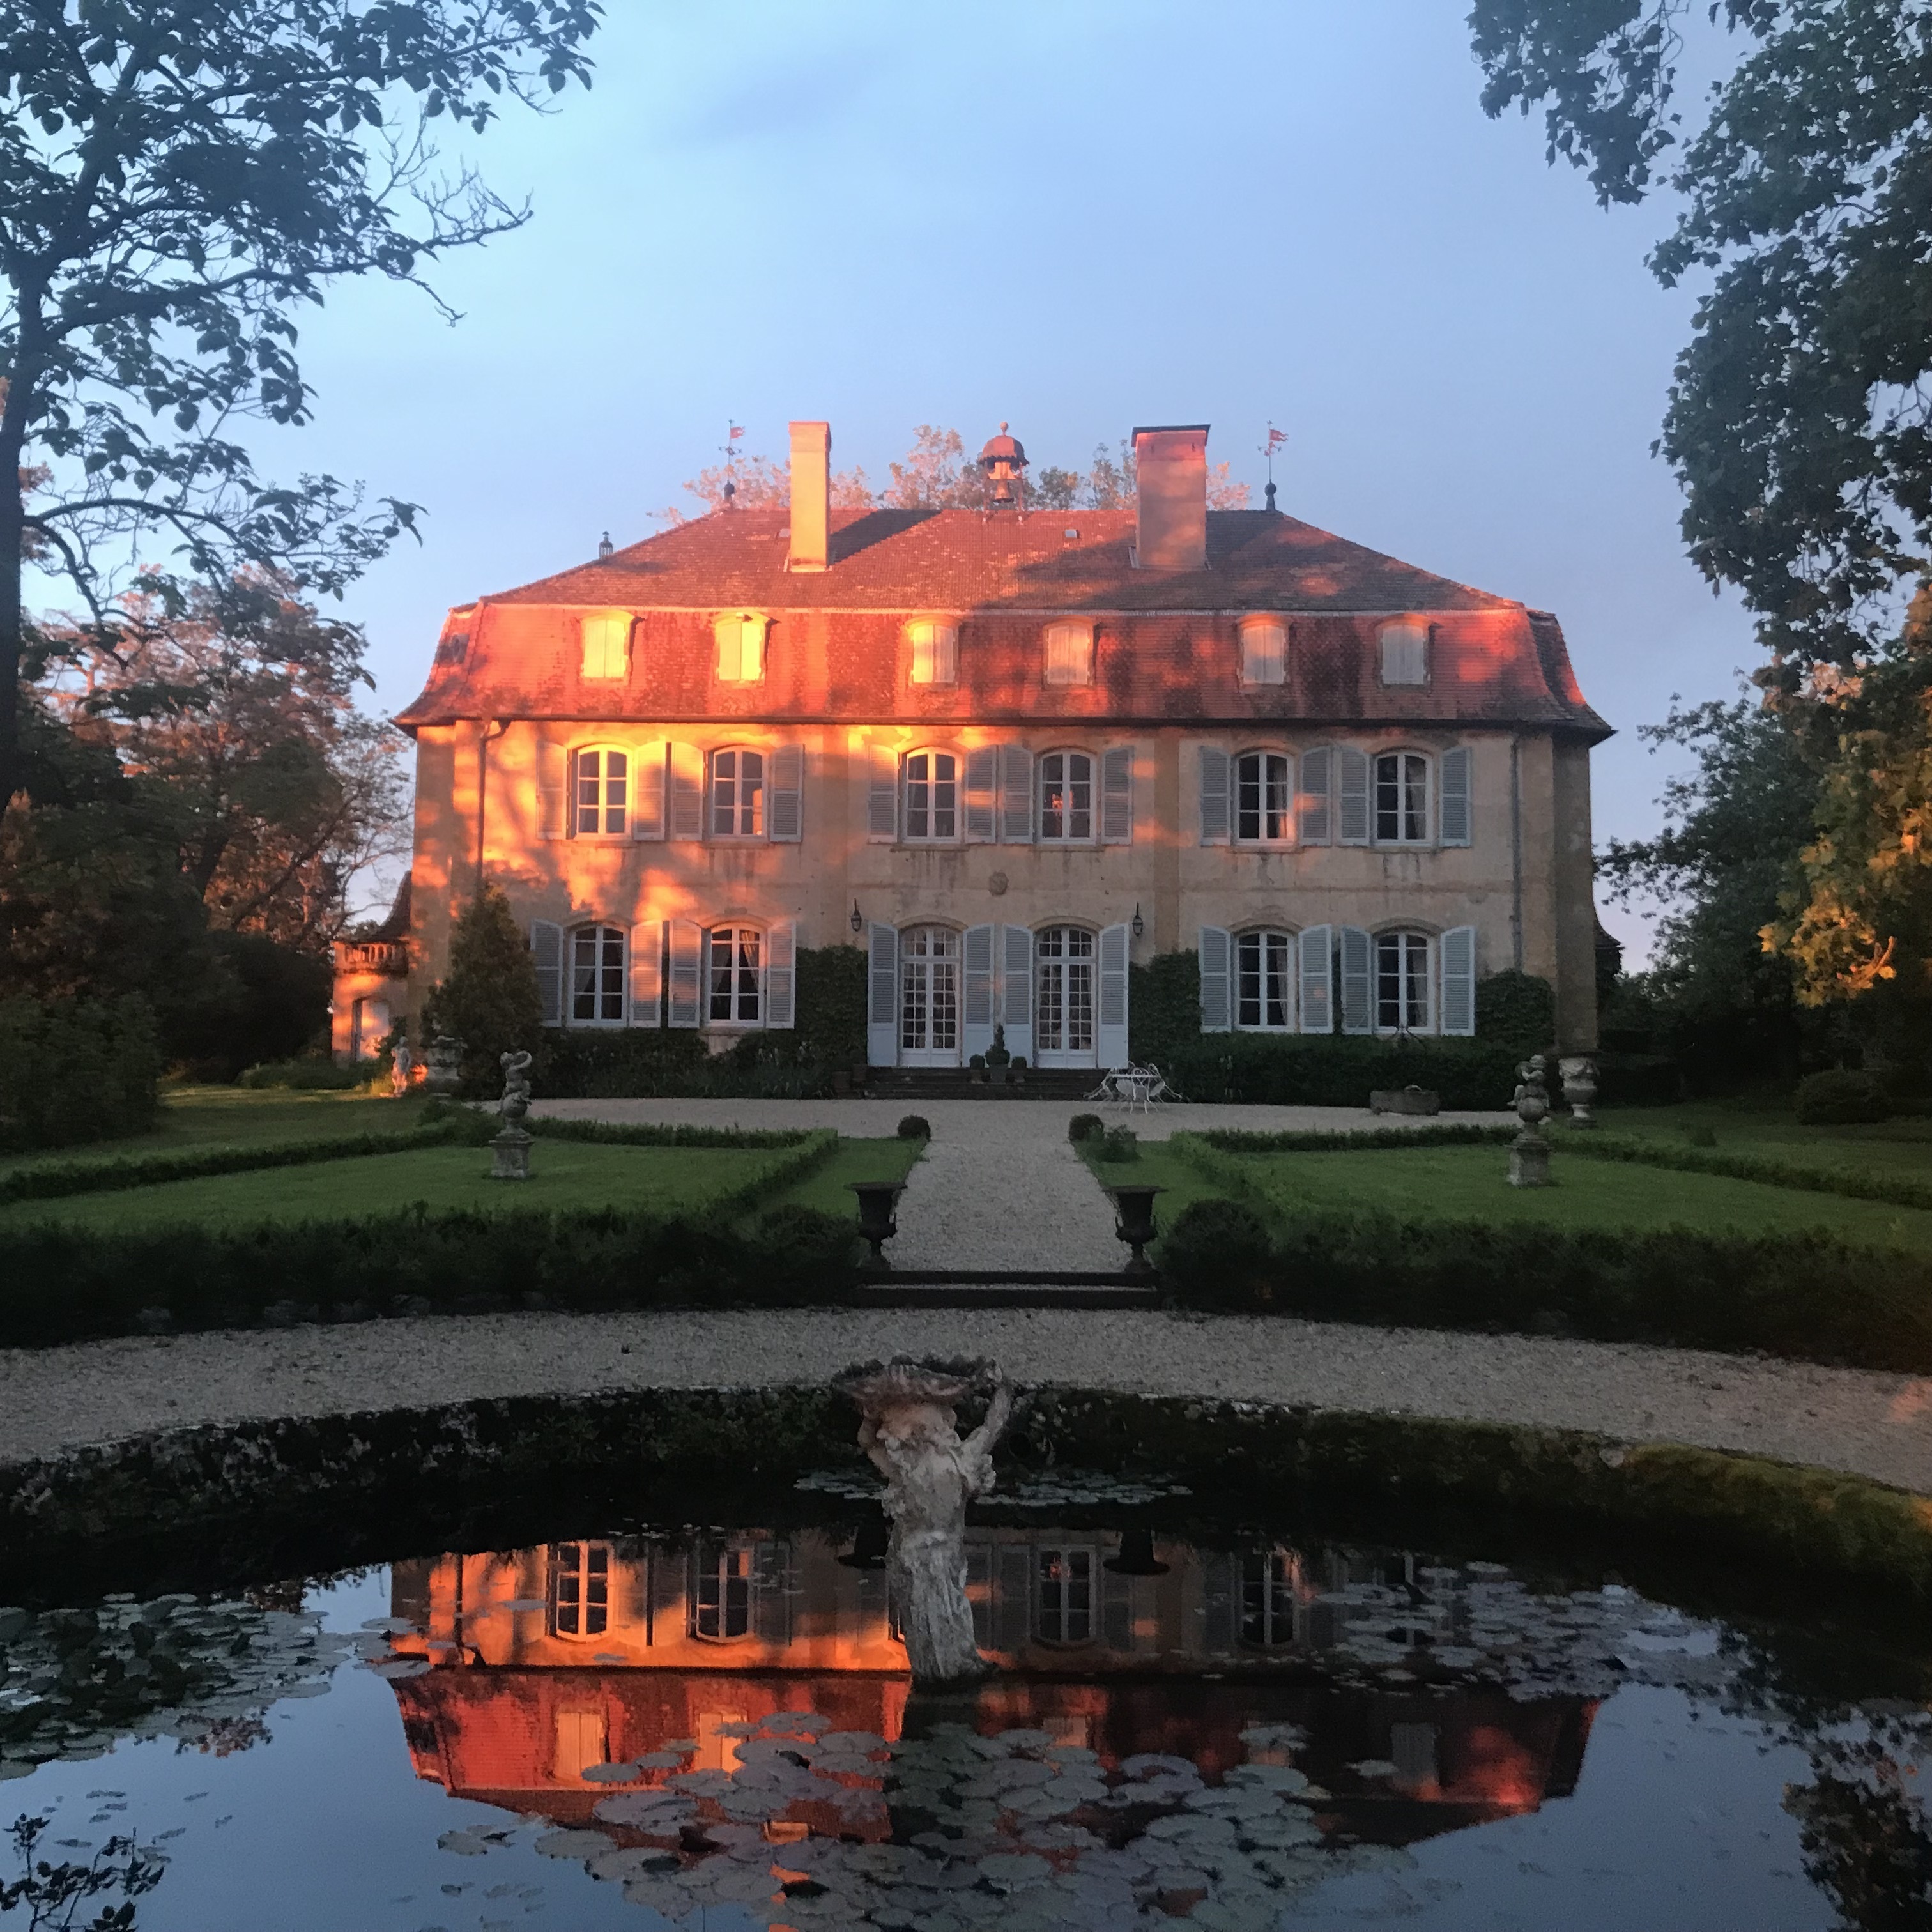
(1874, 1425)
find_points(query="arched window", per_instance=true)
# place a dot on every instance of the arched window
(721, 1585)
(1067, 798)
(1264, 799)
(935, 650)
(932, 796)
(580, 1589)
(736, 975)
(1265, 968)
(1403, 983)
(741, 646)
(1063, 1598)
(603, 793)
(1401, 798)
(597, 976)
(737, 794)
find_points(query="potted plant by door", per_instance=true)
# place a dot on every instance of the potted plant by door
(998, 1060)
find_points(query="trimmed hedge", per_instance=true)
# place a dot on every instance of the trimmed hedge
(1517, 1010)
(610, 1133)
(1899, 1190)
(1841, 1096)
(1316, 1140)
(1803, 1296)
(77, 1070)
(1333, 1070)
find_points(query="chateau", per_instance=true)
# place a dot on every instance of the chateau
(1007, 751)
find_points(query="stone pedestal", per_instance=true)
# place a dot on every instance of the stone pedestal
(1529, 1160)
(510, 1155)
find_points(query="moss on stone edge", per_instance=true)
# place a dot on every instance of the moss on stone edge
(191, 1481)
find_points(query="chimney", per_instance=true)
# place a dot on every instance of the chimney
(810, 495)
(1171, 469)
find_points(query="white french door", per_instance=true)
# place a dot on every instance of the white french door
(1063, 1025)
(929, 996)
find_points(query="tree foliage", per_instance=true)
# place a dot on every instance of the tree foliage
(1800, 418)
(490, 1001)
(178, 179)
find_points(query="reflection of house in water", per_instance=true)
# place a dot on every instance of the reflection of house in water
(549, 1660)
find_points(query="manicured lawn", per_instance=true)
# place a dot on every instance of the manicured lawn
(826, 1190)
(201, 1116)
(1469, 1184)
(568, 1174)
(1901, 1146)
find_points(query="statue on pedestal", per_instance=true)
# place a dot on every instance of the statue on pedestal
(908, 1428)
(1529, 1152)
(510, 1151)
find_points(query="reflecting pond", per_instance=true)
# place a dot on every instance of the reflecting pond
(711, 1725)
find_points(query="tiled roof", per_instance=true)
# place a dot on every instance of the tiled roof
(1167, 647)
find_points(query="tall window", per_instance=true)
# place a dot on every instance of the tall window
(935, 651)
(1268, 1579)
(1069, 654)
(720, 1596)
(1401, 982)
(737, 794)
(929, 995)
(1402, 799)
(1064, 1003)
(1065, 1602)
(1264, 799)
(579, 1590)
(597, 975)
(1264, 982)
(1067, 797)
(603, 792)
(736, 955)
(932, 796)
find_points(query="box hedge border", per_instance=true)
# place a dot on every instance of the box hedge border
(1895, 1190)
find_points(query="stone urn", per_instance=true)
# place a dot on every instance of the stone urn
(1529, 1152)
(1135, 1225)
(442, 1058)
(877, 1221)
(1579, 1071)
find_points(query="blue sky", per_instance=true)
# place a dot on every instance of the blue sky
(1075, 218)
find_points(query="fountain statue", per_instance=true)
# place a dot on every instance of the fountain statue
(510, 1150)
(908, 1427)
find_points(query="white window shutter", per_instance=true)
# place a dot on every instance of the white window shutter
(882, 1005)
(1312, 815)
(647, 973)
(1454, 816)
(1215, 949)
(687, 796)
(882, 802)
(647, 791)
(1354, 795)
(786, 812)
(976, 1014)
(1214, 764)
(780, 972)
(1116, 795)
(1459, 980)
(553, 799)
(687, 972)
(982, 794)
(1358, 988)
(547, 951)
(1111, 1034)
(1016, 793)
(1318, 979)
(1016, 988)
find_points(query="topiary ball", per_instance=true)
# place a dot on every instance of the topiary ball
(1217, 1252)
(1085, 1127)
(915, 1127)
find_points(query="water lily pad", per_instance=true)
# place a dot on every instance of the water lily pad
(1374, 1768)
(402, 1666)
(571, 1844)
(612, 1774)
(1011, 1870)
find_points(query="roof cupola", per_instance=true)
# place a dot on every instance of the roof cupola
(1002, 460)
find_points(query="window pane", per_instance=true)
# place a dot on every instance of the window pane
(1248, 979)
(1415, 798)
(1388, 798)
(1053, 796)
(918, 799)
(1080, 786)
(1248, 797)
(1388, 981)
(1277, 803)
(1276, 946)
(945, 796)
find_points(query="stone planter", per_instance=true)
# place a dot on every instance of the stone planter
(1405, 1100)
(1134, 1206)
(878, 1222)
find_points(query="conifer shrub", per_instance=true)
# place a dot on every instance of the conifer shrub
(490, 1001)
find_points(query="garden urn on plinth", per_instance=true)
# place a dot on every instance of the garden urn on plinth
(1133, 1208)
(908, 1427)
(1579, 1087)
(443, 1059)
(510, 1150)
(877, 1221)
(1529, 1152)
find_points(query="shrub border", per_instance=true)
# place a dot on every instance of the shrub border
(1894, 1190)
(1335, 1140)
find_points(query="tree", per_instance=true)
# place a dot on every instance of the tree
(1800, 419)
(758, 483)
(235, 707)
(937, 475)
(178, 179)
(490, 1001)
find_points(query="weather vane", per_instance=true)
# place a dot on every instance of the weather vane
(1276, 439)
(733, 432)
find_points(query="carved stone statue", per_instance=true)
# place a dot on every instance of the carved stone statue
(1529, 1152)
(402, 1063)
(510, 1150)
(1580, 1087)
(908, 1428)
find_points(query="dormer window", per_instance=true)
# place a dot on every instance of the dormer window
(1405, 647)
(741, 646)
(606, 643)
(1263, 650)
(935, 650)
(1070, 653)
